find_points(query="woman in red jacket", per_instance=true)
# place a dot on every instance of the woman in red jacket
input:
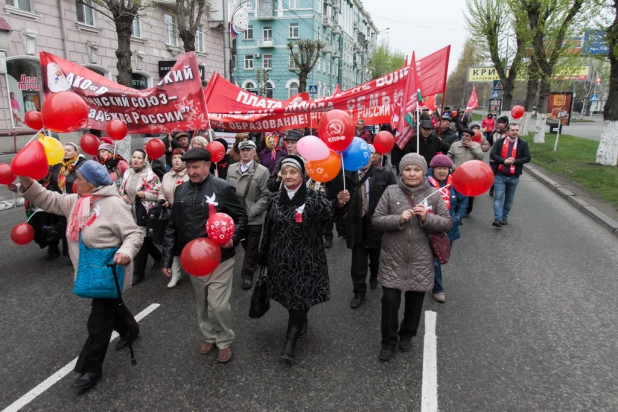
(488, 125)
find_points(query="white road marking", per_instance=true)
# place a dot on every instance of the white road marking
(61, 373)
(429, 402)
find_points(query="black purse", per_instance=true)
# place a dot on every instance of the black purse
(141, 216)
(53, 233)
(260, 302)
(158, 218)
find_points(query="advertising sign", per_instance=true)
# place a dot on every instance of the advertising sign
(559, 107)
(485, 74)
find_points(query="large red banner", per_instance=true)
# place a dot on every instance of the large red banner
(233, 108)
(175, 104)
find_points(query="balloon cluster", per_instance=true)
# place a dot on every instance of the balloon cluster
(337, 144)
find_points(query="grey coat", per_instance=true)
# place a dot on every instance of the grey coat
(406, 259)
(256, 200)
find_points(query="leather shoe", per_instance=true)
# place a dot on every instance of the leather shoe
(328, 244)
(86, 380)
(137, 280)
(357, 300)
(246, 284)
(504, 222)
(387, 354)
(405, 345)
(496, 223)
(123, 343)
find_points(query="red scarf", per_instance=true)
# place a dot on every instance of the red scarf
(446, 194)
(505, 149)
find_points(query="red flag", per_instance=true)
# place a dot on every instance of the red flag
(473, 103)
(337, 89)
(408, 104)
(432, 71)
(430, 102)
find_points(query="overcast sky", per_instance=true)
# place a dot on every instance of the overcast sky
(421, 25)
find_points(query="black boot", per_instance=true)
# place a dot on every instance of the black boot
(137, 279)
(290, 343)
(303, 330)
(53, 251)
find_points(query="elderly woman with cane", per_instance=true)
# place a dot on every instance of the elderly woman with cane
(99, 224)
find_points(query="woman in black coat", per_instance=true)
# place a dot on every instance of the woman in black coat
(293, 248)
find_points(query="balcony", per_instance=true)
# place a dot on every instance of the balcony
(327, 21)
(336, 29)
(265, 13)
(264, 43)
(167, 3)
(336, 54)
(328, 49)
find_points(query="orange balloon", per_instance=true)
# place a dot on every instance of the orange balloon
(324, 170)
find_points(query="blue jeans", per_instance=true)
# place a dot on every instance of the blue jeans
(504, 193)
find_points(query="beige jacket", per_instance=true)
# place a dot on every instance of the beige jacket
(170, 180)
(256, 200)
(113, 227)
(406, 259)
(461, 154)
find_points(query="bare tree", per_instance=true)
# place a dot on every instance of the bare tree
(189, 19)
(305, 53)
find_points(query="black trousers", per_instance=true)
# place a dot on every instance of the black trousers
(297, 317)
(328, 232)
(391, 330)
(362, 256)
(470, 205)
(141, 259)
(251, 244)
(105, 317)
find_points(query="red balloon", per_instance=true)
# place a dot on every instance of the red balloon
(116, 129)
(7, 176)
(220, 228)
(336, 129)
(155, 148)
(454, 113)
(473, 178)
(90, 144)
(200, 257)
(217, 151)
(64, 112)
(384, 142)
(517, 112)
(22, 234)
(34, 120)
(477, 136)
(31, 161)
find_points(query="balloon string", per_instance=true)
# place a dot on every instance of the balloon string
(437, 191)
(343, 172)
(35, 212)
(33, 137)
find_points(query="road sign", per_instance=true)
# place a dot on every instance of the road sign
(497, 86)
(494, 94)
(313, 88)
(594, 98)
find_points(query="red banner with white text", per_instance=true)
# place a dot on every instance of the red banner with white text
(175, 104)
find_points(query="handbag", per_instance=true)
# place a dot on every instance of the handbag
(53, 233)
(260, 302)
(95, 279)
(439, 242)
(158, 218)
(141, 215)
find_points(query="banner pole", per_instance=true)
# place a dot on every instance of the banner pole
(557, 136)
(418, 130)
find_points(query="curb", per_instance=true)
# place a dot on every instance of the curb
(10, 204)
(595, 214)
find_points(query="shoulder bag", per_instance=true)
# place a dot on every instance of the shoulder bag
(141, 215)
(94, 278)
(260, 302)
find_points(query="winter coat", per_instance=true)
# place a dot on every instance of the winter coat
(365, 135)
(489, 124)
(145, 180)
(158, 167)
(457, 210)
(523, 156)
(255, 199)
(461, 154)
(448, 138)
(294, 252)
(70, 178)
(406, 259)
(170, 180)
(222, 167)
(191, 211)
(170, 145)
(113, 226)
(267, 160)
(429, 147)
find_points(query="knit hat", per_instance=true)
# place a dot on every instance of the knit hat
(413, 159)
(295, 162)
(95, 173)
(503, 119)
(441, 161)
(108, 147)
(474, 124)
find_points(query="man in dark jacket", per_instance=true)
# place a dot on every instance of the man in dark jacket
(430, 143)
(362, 132)
(170, 146)
(194, 201)
(366, 188)
(448, 135)
(508, 157)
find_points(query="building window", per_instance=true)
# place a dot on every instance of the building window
(171, 30)
(20, 4)
(249, 32)
(267, 62)
(293, 65)
(293, 33)
(292, 88)
(139, 81)
(293, 4)
(267, 33)
(250, 87)
(248, 62)
(24, 82)
(269, 89)
(136, 30)
(200, 39)
(85, 12)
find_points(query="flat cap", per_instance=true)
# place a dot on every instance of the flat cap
(196, 153)
(294, 135)
(427, 125)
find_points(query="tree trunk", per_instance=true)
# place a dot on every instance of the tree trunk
(541, 117)
(302, 81)
(531, 92)
(188, 42)
(123, 53)
(607, 153)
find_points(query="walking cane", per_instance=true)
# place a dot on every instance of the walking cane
(120, 305)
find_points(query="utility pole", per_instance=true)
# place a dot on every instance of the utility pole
(226, 41)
